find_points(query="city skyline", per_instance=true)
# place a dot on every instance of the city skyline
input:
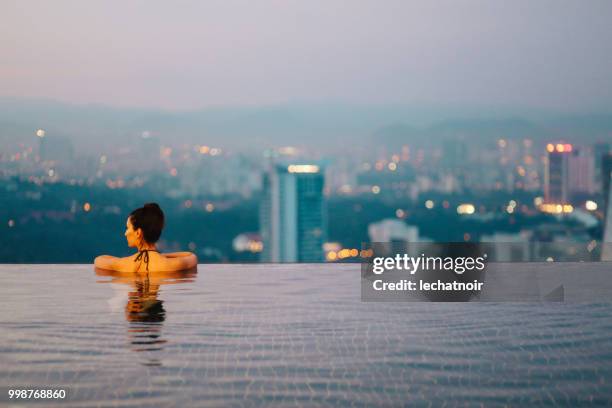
(438, 189)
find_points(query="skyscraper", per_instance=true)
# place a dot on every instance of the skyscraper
(556, 175)
(607, 232)
(600, 151)
(581, 171)
(293, 219)
(606, 175)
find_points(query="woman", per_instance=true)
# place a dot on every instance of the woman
(143, 229)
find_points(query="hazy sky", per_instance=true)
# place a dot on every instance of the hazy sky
(194, 54)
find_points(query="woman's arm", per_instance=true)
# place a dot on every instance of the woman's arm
(113, 263)
(176, 254)
(182, 260)
(107, 262)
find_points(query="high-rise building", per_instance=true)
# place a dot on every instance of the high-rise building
(600, 151)
(392, 236)
(556, 174)
(293, 217)
(393, 230)
(606, 176)
(581, 171)
(607, 232)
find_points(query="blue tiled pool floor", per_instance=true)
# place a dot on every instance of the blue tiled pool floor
(288, 335)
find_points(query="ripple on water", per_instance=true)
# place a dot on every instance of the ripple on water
(294, 340)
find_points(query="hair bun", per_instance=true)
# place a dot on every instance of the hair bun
(152, 205)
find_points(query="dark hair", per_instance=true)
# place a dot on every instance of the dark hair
(149, 218)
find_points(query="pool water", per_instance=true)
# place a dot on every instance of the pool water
(288, 335)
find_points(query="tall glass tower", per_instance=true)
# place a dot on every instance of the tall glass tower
(293, 217)
(556, 174)
(607, 190)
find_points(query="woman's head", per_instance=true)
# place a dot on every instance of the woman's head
(144, 225)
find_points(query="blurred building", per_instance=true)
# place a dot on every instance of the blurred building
(556, 174)
(56, 148)
(581, 171)
(392, 230)
(600, 151)
(393, 236)
(293, 218)
(606, 176)
(607, 233)
(455, 153)
(508, 247)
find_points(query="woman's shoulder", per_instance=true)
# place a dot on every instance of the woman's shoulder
(127, 263)
(177, 261)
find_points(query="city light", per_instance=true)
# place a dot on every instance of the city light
(209, 207)
(11, 223)
(40, 133)
(590, 205)
(465, 209)
(555, 208)
(366, 253)
(255, 246)
(561, 148)
(303, 168)
(288, 150)
(429, 204)
(86, 207)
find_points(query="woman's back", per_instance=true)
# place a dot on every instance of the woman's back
(143, 228)
(152, 261)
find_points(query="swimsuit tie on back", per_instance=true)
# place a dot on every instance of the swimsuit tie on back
(145, 258)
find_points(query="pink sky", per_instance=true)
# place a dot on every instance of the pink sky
(195, 54)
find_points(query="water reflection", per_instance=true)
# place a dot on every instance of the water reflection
(144, 310)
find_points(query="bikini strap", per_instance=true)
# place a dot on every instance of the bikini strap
(145, 258)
